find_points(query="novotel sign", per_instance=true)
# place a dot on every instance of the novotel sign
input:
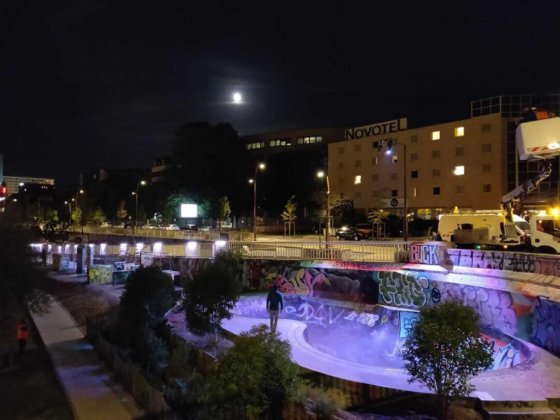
(376, 129)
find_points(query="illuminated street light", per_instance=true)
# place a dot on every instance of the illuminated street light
(253, 181)
(237, 98)
(390, 143)
(142, 182)
(322, 174)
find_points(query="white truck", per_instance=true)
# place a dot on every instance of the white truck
(538, 138)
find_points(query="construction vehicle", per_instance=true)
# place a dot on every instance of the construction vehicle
(537, 138)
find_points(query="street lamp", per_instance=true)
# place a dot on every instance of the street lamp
(390, 143)
(253, 181)
(69, 204)
(322, 174)
(142, 182)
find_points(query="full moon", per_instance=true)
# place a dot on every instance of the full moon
(237, 98)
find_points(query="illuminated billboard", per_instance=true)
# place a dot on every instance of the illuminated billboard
(189, 210)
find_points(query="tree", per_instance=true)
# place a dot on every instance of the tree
(444, 350)
(147, 297)
(210, 296)
(76, 215)
(289, 213)
(255, 377)
(98, 217)
(122, 214)
(224, 210)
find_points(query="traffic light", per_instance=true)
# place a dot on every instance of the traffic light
(3, 191)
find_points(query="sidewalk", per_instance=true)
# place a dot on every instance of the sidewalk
(86, 381)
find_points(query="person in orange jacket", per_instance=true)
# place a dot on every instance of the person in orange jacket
(22, 333)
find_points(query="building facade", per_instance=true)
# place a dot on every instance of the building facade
(456, 164)
(17, 184)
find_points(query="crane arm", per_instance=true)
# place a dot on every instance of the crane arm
(521, 191)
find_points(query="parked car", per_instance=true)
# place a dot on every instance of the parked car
(172, 227)
(349, 233)
(366, 229)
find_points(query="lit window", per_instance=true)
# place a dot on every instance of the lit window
(459, 170)
(375, 161)
(459, 131)
(272, 143)
(414, 192)
(319, 139)
(358, 179)
(300, 140)
(311, 139)
(394, 158)
(306, 140)
(436, 135)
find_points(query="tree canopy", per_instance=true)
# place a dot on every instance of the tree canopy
(255, 377)
(444, 350)
(210, 296)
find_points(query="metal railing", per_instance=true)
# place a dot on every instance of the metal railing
(344, 251)
(150, 233)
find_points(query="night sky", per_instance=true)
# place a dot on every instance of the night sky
(89, 84)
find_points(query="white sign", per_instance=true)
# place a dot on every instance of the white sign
(376, 129)
(189, 210)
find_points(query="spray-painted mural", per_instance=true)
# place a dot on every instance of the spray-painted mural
(100, 274)
(350, 285)
(506, 311)
(546, 325)
(439, 254)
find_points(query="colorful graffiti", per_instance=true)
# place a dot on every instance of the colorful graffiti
(291, 279)
(546, 325)
(100, 274)
(506, 311)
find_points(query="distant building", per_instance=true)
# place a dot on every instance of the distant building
(160, 168)
(468, 163)
(18, 184)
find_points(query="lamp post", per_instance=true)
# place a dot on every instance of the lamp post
(142, 182)
(253, 181)
(390, 144)
(322, 174)
(68, 203)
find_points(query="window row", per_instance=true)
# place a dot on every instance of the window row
(459, 189)
(310, 140)
(255, 145)
(458, 170)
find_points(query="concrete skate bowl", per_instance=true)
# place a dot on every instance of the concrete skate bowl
(368, 335)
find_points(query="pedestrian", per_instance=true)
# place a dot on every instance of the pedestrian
(22, 334)
(274, 305)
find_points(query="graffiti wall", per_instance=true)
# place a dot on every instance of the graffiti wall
(100, 274)
(509, 312)
(546, 325)
(292, 279)
(439, 254)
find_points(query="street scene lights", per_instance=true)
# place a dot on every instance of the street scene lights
(322, 174)
(142, 182)
(389, 144)
(253, 181)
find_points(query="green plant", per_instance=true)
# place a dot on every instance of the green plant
(444, 350)
(209, 297)
(289, 213)
(255, 377)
